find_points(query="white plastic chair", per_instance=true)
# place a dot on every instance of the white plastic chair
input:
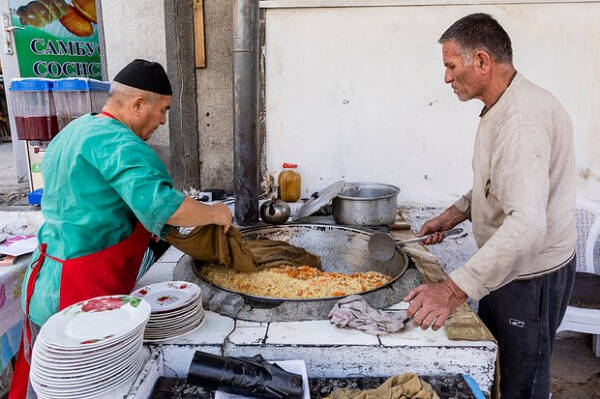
(588, 260)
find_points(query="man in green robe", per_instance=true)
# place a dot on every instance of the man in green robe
(100, 179)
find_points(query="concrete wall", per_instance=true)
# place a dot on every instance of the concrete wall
(214, 88)
(136, 29)
(357, 93)
(350, 98)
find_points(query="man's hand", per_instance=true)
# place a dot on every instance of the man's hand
(192, 213)
(447, 220)
(435, 226)
(222, 215)
(432, 304)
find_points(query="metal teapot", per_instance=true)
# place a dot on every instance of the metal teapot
(274, 211)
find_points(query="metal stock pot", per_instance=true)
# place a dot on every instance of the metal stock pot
(366, 204)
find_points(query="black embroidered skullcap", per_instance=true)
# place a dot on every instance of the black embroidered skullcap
(145, 75)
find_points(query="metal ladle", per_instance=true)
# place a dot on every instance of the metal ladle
(382, 246)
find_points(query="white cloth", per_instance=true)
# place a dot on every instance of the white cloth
(354, 312)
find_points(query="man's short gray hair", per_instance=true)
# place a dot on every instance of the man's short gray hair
(121, 93)
(480, 32)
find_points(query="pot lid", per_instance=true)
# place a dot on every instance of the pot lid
(318, 200)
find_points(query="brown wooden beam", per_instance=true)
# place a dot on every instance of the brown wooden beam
(199, 34)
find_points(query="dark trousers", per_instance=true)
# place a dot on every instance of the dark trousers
(523, 316)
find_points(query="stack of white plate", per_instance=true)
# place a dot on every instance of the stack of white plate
(90, 348)
(176, 309)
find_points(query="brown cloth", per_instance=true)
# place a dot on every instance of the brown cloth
(401, 386)
(209, 244)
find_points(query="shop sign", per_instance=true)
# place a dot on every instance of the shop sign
(57, 39)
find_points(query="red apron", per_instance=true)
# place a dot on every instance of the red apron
(110, 271)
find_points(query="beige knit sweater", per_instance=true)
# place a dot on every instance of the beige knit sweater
(523, 194)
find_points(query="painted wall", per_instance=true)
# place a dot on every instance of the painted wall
(358, 93)
(136, 29)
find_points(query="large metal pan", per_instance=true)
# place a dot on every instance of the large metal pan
(342, 249)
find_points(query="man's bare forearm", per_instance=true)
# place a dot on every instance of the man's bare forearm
(451, 217)
(192, 213)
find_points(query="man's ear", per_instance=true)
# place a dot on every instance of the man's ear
(483, 60)
(137, 105)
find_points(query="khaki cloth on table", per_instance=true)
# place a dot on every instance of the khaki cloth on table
(209, 244)
(401, 386)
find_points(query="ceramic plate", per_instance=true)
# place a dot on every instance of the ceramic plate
(61, 383)
(176, 334)
(176, 319)
(82, 365)
(86, 351)
(95, 322)
(177, 312)
(168, 295)
(168, 331)
(91, 377)
(93, 390)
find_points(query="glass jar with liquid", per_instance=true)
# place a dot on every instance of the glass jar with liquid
(289, 182)
(33, 107)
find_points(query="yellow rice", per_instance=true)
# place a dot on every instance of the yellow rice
(303, 282)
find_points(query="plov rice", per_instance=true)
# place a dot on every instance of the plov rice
(303, 282)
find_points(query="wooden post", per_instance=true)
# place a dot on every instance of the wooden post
(199, 33)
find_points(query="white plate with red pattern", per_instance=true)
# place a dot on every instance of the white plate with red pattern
(168, 295)
(193, 311)
(175, 333)
(90, 347)
(80, 360)
(177, 312)
(94, 387)
(95, 322)
(61, 377)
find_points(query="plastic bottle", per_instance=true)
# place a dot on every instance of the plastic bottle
(289, 182)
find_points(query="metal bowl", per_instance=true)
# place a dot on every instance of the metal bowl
(342, 250)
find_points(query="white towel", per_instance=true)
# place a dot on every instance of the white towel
(354, 312)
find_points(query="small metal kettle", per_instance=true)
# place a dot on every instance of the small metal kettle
(274, 211)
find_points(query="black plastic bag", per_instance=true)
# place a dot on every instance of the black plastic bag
(248, 376)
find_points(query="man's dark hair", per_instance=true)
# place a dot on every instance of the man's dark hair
(480, 32)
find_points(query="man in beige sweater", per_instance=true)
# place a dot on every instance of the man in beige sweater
(520, 205)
